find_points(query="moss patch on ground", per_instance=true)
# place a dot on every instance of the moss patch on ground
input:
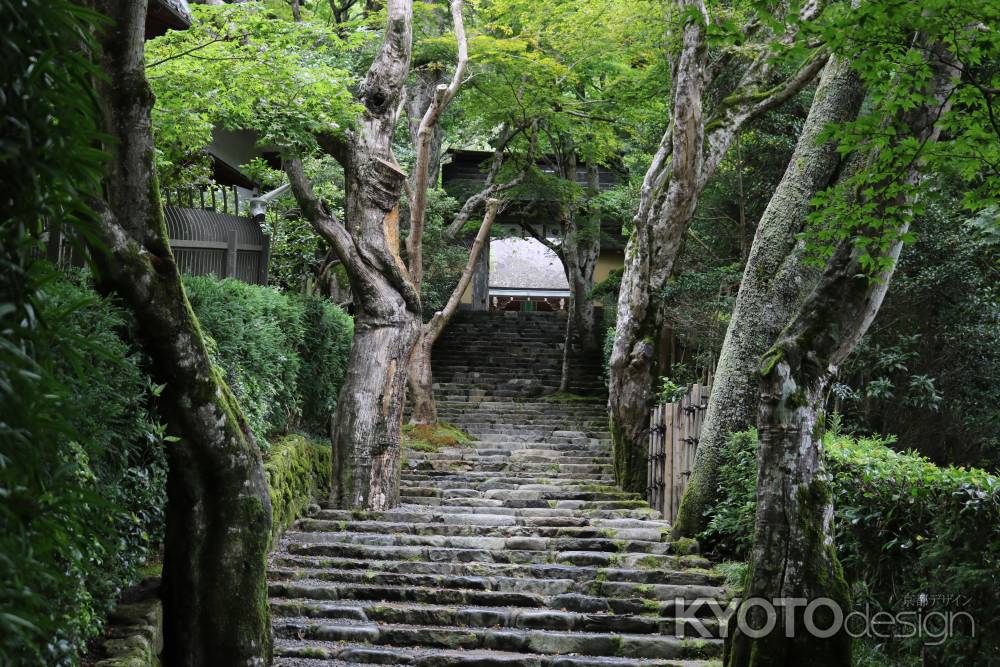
(432, 437)
(298, 473)
(567, 397)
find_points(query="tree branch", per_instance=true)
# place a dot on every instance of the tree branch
(443, 96)
(441, 318)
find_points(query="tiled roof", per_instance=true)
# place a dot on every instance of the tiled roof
(525, 263)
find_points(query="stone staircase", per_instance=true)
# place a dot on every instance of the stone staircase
(509, 356)
(514, 550)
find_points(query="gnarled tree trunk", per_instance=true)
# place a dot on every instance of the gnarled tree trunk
(774, 283)
(659, 232)
(793, 555)
(366, 430)
(218, 509)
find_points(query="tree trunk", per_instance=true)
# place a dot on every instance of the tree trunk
(218, 509)
(793, 554)
(579, 250)
(655, 243)
(421, 379)
(774, 283)
(366, 429)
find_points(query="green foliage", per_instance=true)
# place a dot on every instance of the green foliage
(284, 356)
(243, 68)
(58, 522)
(83, 484)
(670, 391)
(872, 206)
(927, 369)
(298, 473)
(905, 527)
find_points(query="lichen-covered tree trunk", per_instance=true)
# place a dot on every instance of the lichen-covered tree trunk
(218, 509)
(793, 554)
(775, 280)
(660, 226)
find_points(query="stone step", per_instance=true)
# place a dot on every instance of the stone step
(686, 569)
(459, 514)
(649, 534)
(547, 642)
(495, 617)
(669, 583)
(581, 603)
(436, 553)
(324, 532)
(296, 653)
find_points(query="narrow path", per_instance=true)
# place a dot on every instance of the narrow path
(515, 550)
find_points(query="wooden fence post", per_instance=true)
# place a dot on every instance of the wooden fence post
(230, 262)
(264, 261)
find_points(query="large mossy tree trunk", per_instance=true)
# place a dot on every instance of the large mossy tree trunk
(775, 280)
(689, 153)
(368, 419)
(793, 554)
(218, 509)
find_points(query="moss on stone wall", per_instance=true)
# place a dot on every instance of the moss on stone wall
(298, 473)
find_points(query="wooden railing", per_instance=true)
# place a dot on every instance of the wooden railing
(674, 429)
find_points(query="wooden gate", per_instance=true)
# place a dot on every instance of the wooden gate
(674, 429)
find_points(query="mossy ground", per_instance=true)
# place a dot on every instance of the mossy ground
(432, 437)
(567, 397)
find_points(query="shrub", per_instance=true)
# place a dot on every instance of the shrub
(83, 487)
(905, 528)
(82, 482)
(326, 344)
(284, 356)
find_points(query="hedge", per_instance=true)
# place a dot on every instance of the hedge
(283, 355)
(905, 528)
(82, 489)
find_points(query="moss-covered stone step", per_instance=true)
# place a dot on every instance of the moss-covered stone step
(469, 529)
(681, 569)
(533, 512)
(525, 503)
(574, 601)
(526, 543)
(665, 588)
(302, 654)
(524, 492)
(548, 642)
(449, 478)
(495, 617)
(470, 555)
(518, 456)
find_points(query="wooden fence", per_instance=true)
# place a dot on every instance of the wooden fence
(674, 429)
